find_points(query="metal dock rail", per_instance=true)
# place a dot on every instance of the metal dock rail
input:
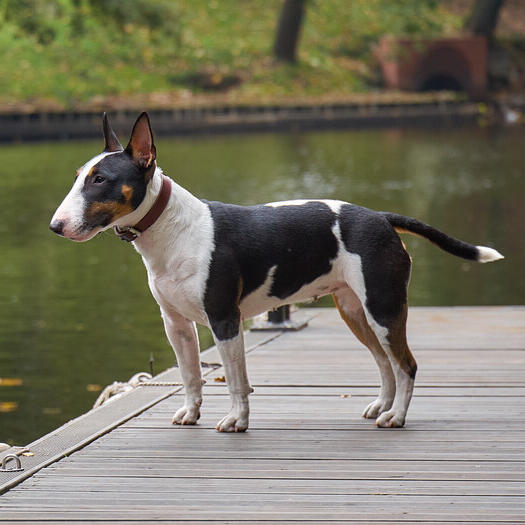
(307, 457)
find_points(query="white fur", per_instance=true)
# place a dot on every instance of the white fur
(234, 360)
(296, 202)
(176, 251)
(334, 205)
(260, 301)
(182, 335)
(71, 210)
(251, 304)
(486, 254)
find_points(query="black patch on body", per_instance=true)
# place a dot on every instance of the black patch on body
(118, 170)
(249, 240)
(384, 261)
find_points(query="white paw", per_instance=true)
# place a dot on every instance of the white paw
(187, 415)
(390, 419)
(377, 407)
(235, 421)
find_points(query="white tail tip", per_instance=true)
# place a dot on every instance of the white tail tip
(488, 254)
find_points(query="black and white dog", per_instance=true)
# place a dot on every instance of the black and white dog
(217, 264)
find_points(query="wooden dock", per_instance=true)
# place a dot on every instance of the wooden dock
(308, 457)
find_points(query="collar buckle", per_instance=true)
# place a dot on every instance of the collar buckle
(127, 234)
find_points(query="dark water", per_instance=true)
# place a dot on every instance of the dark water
(74, 316)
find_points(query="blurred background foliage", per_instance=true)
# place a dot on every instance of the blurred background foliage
(68, 52)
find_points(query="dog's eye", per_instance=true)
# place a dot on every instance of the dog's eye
(99, 179)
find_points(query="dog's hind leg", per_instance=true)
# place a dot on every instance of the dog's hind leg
(182, 335)
(383, 294)
(377, 269)
(352, 313)
(404, 367)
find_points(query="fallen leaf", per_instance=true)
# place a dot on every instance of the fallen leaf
(8, 406)
(220, 379)
(10, 381)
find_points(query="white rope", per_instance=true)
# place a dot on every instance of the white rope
(161, 383)
(117, 388)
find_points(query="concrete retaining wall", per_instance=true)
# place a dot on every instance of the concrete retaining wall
(57, 126)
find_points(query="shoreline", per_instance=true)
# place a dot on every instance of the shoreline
(234, 118)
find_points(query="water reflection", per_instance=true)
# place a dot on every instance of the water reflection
(77, 315)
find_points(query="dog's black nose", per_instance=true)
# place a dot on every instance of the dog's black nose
(57, 227)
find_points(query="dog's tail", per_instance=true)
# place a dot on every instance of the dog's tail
(456, 247)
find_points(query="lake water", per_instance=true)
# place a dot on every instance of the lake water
(76, 317)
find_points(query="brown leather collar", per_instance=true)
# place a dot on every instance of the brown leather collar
(130, 233)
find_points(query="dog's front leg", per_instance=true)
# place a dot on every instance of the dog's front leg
(231, 349)
(182, 335)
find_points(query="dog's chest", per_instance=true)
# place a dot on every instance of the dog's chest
(177, 255)
(179, 283)
(182, 295)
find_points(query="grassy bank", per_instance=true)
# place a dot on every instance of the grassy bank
(89, 53)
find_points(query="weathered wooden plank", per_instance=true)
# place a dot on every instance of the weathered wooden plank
(313, 376)
(346, 423)
(308, 456)
(300, 468)
(457, 390)
(261, 501)
(337, 402)
(161, 486)
(407, 436)
(191, 514)
(291, 454)
(274, 507)
(316, 521)
(171, 517)
(131, 444)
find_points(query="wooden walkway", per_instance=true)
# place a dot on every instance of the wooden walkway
(308, 457)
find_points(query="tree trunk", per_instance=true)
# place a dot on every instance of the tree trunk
(484, 17)
(288, 30)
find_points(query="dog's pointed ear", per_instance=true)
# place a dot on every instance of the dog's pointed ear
(110, 139)
(141, 147)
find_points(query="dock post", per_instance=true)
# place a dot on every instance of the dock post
(278, 319)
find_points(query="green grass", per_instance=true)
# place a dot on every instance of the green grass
(67, 53)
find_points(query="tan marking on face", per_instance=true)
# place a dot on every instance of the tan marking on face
(127, 193)
(151, 169)
(113, 209)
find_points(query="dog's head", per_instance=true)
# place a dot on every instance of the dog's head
(110, 186)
